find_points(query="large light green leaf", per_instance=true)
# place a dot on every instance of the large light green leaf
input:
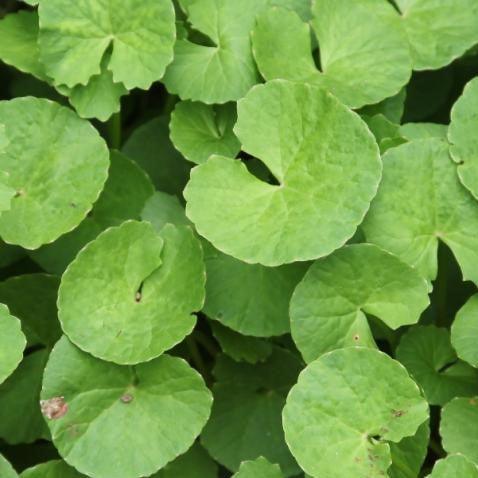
(51, 469)
(6, 470)
(6, 192)
(130, 294)
(150, 146)
(74, 38)
(57, 164)
(464, 331)
(123, 197)
(325, 183)
(20, 395)
(356, 67)
(112, 420)
(421, 201)
(462, 135)
(258, 468)
(438, 31)
(456, 466)
(328, 306)
(12, 343)
(430, 359)
(245, 421)
(412, 131)
(459, 427)
(339, 418)
(199, 130)
(32, 298)
(224, 69)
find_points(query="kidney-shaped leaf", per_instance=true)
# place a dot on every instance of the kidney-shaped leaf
(12, 343)
(456, 466)
(57, 164)
(328, 306)
(421, 200)
(339, 418)
(258, 468)
(110, 420)
(325, 185)
(74, 38)
(130, 294)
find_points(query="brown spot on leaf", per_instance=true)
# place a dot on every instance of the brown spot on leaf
(54, 408)
(127, 398)
(472, 401)
(398, 413)
(356, 337)
(137, 297)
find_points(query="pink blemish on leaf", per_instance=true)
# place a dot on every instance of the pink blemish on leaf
(54, 408)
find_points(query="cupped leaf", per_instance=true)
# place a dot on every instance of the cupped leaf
(32, 298)
(74, 38)
(223, 69)
(421, 201)
(130, 294)
(199, 131)
(339, 418)
(57, 165)
(143, 416)
(386, 133)
(242, 348)
(459, 427)
(259, 467)
(437, 31)
(6, 470)
(358, 70)
(325, 184)
(245, 420)
(464, 331)
(51, 469)
(12, 343)
(328, 306)
(456, 466)
(20, 395)
(149, 145)
(427, 354)
(462, 135)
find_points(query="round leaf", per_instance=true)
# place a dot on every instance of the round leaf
(461, 134)
(12, 343)
(358, 71)
(199, 130)
(142, 416)
(339, 418)
(260, 467)
(325, 184)
(57, 165)
(464, 331)
(430, 359)
(51, 469)
(74, 38)
(328, 306)
(456, 466)
(421, 200)
(130, 294)
(459, 427)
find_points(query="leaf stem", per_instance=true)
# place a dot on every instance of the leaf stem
(114, 131)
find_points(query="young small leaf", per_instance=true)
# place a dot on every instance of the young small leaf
(259, 467)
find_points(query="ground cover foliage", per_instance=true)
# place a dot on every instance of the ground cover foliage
(238, 238)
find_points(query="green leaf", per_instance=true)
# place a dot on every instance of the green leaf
(223, 69)
(57, 165)
(12, 343)
(461, 134)
(6, 470)
(32, 298)
(325, 184)
(464, 331)
(412, 131)
(20, 395)
(245, 420)
(430, 359)
(438, 32)
(195, 463)
(456, 466)
(199, 131)
(74, 38)
(51, 469)
(142, 416)
(259, 467)
(409, 454)
(328, 306)
(421, 201)
(386, 133)
(130, 294)
(339, 418)
(355, 67)
(242, 348)
(459, 427)
(150, 146)
(392, 107)
(6, 192)
(162, 208)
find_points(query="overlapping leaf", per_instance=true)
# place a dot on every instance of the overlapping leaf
(457, 466)
(464, 331)
(12, 343)
(260, 467)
